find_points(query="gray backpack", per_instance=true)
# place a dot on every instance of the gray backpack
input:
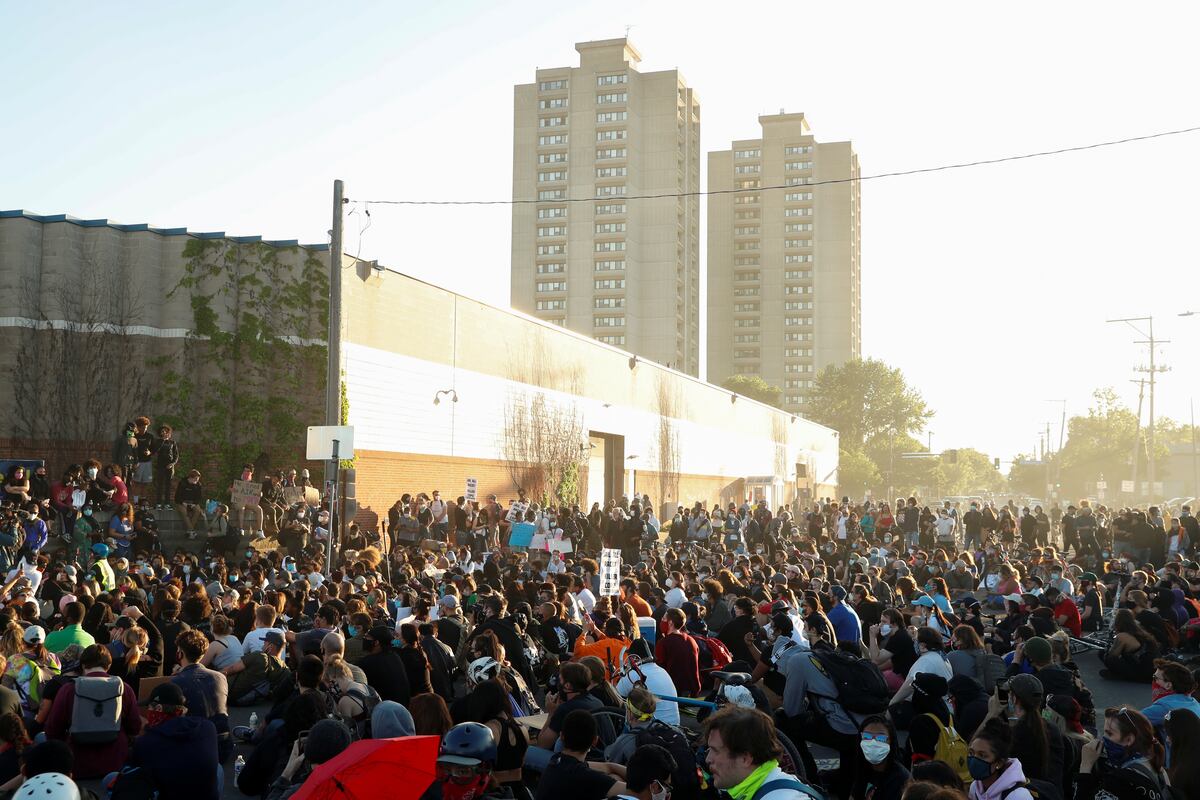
(96, 716)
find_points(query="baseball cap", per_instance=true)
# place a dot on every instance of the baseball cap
(361, 580)
(167, 694)
(1025, 686)
(764, 608)
(34, 634)
(274, 637)
(838, 591)
(382, 634)
(1087, 576)
(1016, 598)
(924, 600)
(1037, 650)
(449, 601)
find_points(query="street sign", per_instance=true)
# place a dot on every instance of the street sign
(322, 437)
(472, 493)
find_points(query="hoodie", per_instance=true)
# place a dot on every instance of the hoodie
(390, 720)
(970, 703)
(1010, 777)
(181, 754)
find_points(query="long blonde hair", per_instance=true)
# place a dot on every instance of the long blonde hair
(12, 641)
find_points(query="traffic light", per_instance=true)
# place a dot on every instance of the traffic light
(996, 463)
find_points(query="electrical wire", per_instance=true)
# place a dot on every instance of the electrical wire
(859, 179)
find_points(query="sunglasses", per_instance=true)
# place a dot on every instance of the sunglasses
(875, 737)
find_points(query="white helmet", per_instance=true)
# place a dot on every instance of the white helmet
(48, 786)
(482, 669)
(738, 695)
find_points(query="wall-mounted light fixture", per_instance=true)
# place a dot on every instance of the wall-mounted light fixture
(633, 360)
(733, 398)
(437, 398)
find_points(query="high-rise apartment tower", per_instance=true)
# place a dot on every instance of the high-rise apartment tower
(587, 140)
(783, 263)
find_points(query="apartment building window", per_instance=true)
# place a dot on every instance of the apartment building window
(608, 322)
(548, 141)
(747, 275)
(611, 172)
(798, 352)
(797, 337)
(797, 227)
(747, 169)
(797, 322)
(608, 284)
(611, 116)
(610, 247)
(610, 191)
(552, 194)
(746, 338)
(797, 290)
(552, 286)
(615, 97)
(746, 261)
(557, 212)
(552, 230)
(795, 243)
(551, 249)
(742, 308)
(610, 152)
(746, 230)
(609, 266)
(797, 149)
(754, 153)
(618, 341)
(559, 321)
(797, 212)
(750, 369)
(796, 197)
(603, 209)
(610, 227)
(797, 274)
(797, 305)
(793, 400)
(797, 368)
(745, 199)
(551, 122)
(552, 103)
(551, 268)
(746, 291)
(552, 158)
(746, 352)
(551, 305)
(608, 302)
(551, 86)
(797, 165)
(611, 80)
(793, 258)
(547, 177)
(753, 183)
(746, 322)
(798, 180)
(745, 246)
(614, 135)
(751, 213)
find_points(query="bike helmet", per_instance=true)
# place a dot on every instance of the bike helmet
(468, 744)
(100, 549)
(50, 786)
(482, 669)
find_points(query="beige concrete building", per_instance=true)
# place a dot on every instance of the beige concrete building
(783, 263)
(585, 255)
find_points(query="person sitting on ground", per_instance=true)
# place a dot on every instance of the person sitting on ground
(261, 674)
(569, 774)
(649, 773)
(657, 681)
(355, 700)
(206, 690)
(1124, 763)
(334, 646)
(326, 740)
(383, 667)
(639, 713)
(178, 751)
(1171, 689)
(880, 774)
(743, 757)
(997, 776)
(105, 746)
(1133, 650)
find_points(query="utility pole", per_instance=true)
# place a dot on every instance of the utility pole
(1153, 370)
(333, 366)
(1137, 434)
(1195, 467)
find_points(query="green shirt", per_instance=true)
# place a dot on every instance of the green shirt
(72, 634)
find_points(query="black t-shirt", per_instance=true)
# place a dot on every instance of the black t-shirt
(900, 645)
(386, 674)
(585, 701)
(1092, 600)
(567, 776)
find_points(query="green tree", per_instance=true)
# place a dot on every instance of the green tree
(968, 472)
(754, 387)
(864, 399)
(856, 473)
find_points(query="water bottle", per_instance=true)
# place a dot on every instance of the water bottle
(238, 765)
(254, 721)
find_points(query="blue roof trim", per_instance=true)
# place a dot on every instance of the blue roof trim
(145, 227)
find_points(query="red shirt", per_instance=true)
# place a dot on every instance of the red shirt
(679, 655)
(1066, 608)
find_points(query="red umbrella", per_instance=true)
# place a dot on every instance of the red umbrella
(399, 769)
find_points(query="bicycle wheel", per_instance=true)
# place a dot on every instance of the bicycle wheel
(610, 724)
(789, 757)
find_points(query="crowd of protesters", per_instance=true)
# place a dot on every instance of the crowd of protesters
(930, 650)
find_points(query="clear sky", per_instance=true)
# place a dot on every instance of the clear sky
(989, 287)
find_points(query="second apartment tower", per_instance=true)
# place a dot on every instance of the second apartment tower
(784, 285)
(587, 140)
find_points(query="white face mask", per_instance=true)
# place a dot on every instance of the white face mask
(670, 583)
(885, 629)
(874, 751)
(662, 795)
(91, 472)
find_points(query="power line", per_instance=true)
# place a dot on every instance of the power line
(897, 174)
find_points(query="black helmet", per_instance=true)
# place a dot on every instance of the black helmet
(468, 744)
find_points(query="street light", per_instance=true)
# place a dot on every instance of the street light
(437, 398)
(1189, 313)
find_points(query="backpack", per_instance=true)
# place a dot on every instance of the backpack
(1038, 788)
(133, 783)
(96, 713)
(713, 652)
(991, 668)
(951, 749)
(860, 685)
(362, 720)
(786, 783)
(685, 782)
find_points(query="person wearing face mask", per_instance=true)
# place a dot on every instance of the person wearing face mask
(178, 750)
(880, 775)
(996, 775)
(890, 646)
(189, 502)
(1124, 763)
(1171, 689)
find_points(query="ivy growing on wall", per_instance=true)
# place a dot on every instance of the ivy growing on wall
(252, 376)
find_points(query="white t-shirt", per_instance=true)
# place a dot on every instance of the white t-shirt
(438, 507)
(675, 597)
(659, 683)
(586, 599)
(253, 641)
